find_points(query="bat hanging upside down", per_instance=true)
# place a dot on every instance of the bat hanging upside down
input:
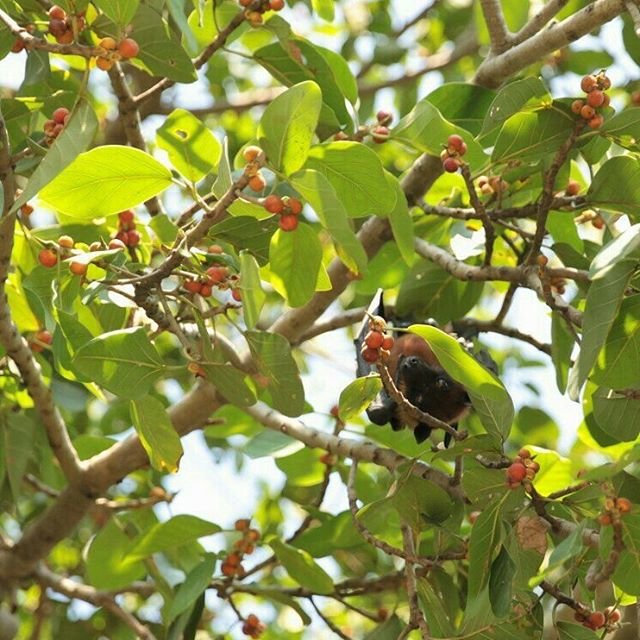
(420, 378)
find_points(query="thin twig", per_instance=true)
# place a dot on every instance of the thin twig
(478, 206)
(548, 11)
(73, 589)
(328, 622)
(634, 14)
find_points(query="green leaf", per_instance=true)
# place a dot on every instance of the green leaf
(390, 629)
(490, 399)
(617, 414)
(106, 180)
(425, 129)
(572, 631)
(302, 468)
(503, 571)
(618, 365)
(302, 568)
(193, 150)
(272, 355)
(464, 105)
(624, 129)
(562, 341)
(357, 396)
(337, 532)
(156, 433)
(173, 533)
(160, 50)
(356, 175)
(125, 362)
(194, 585)
(418, 500)
(401, 222)
(75, 137)
(120, 11)
(611, 271)
(253, 296)
(484, 545)
(324, 8)
(230, 382)
(108, 566)
(295, 258)
(616, 186)
(296, 60)
(439, 622)
(16, 446)
(628, 566)
(519, 96)
(532, 136)
(271, 443)
(326, 203)
(431, 292)
(287, 126)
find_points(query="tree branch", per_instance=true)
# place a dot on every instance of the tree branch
(15, 346)
(75, 590)
(495, 69)
(496, 25)
(550, 9)
(361, 450)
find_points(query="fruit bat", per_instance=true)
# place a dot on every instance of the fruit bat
(416, 372)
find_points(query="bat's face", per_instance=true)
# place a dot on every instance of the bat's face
(431, 389)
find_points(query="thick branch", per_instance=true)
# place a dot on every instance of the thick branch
(496, 25)
(496, 69)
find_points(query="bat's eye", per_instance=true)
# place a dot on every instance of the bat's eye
(442, 384)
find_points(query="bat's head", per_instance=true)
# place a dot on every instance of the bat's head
(431, 389)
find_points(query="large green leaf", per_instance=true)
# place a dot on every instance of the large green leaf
(156, 433)
(356, 174)
(611, 271)
(503, 571)
(125, 362)
(106, 180)
(295, 258)
(532, 136)
(272, 355)
(628, 567)
(160, 50)
(617, 414)
(484, 545)
(337, 532)
(401, 222)
(624, 129)
(107, 564)
(464, 105)
(296, 60)
(302, 568)
(522, 95)
(618, 365)
(440, 623)
(616, 186)
(193, 150)
(253, 296)
(16, 448)
(431, 292)
(302, 468)
(572, 631)
(173, 533)
(194, 585)
(489, 397)
(75, 138)
(425, 129)
(287, 126)
(358, 395)
(327, 204)
(230, 382)
(120, 11)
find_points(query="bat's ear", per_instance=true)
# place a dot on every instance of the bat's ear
(375, 308)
